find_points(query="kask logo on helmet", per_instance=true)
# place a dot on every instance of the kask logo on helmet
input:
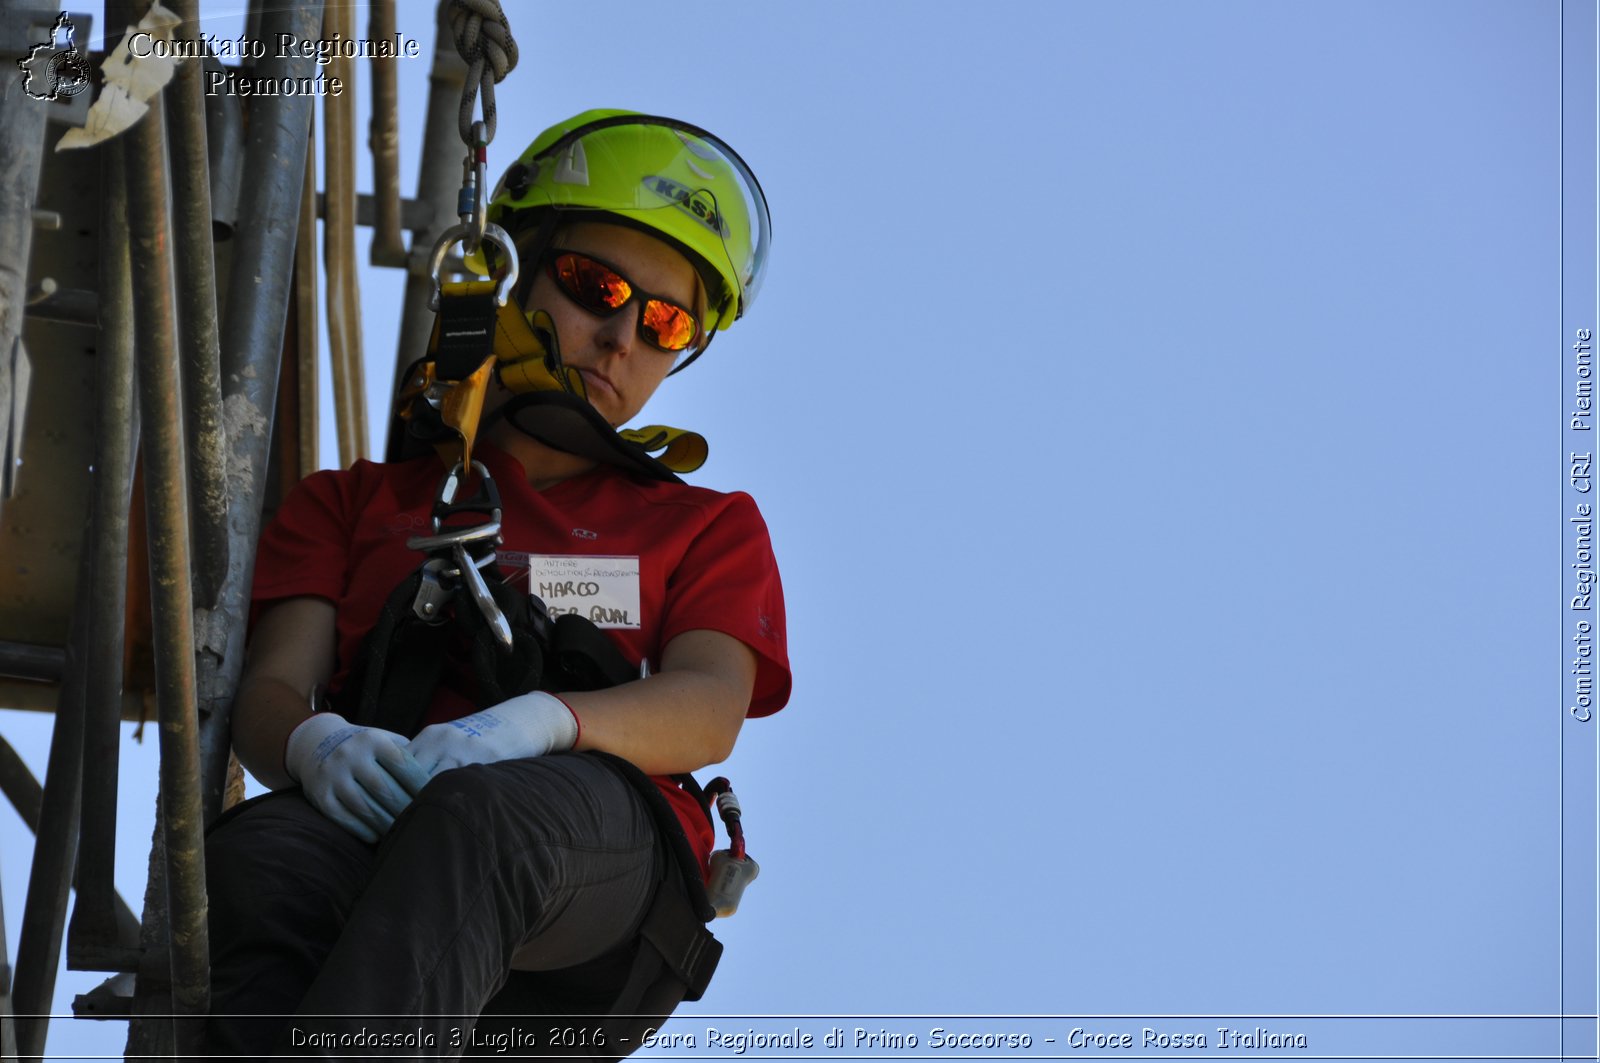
(697, 201)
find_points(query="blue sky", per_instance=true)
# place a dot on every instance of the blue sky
(1156, 410)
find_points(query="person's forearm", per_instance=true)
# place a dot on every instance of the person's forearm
(672, 722)
(676, 721)
(291, 653)
(264, 712)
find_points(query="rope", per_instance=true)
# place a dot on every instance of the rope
(483, 37)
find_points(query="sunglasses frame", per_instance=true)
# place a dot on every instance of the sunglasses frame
(634, 293)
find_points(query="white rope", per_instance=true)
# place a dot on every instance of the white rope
(483, 37)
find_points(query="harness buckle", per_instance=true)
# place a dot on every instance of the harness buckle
(432, 594)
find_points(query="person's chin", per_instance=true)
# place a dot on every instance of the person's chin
(604, 399)
(606, 408)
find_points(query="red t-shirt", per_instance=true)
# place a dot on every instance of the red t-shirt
(703, 560)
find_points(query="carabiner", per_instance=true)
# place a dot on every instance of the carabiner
(480, 594)
(486, 501)
(478, 160)
(451, 542)
(462, 232)
(489, 532)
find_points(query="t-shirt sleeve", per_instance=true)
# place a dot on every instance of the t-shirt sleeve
(728, 581)
(304, 550)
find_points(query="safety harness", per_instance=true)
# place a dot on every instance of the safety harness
(456, 620)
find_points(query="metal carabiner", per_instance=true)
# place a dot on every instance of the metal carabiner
(478, 164)
(480, 593)
(462, 232)
(461, 536)
(450, 543)
(471, 206)
(486, 501)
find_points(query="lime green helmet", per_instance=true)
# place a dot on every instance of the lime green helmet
(669, 178)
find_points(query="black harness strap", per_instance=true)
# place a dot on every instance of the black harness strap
(392, 672)
(675, 954)
(402, 660)
(674, 927)
(569, 423)
(465, 333)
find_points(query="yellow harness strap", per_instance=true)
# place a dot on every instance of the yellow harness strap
(681, 450)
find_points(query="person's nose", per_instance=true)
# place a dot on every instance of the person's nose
(617, 333)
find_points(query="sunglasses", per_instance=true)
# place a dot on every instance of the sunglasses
(603, 290)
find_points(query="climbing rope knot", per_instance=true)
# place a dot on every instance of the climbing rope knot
(483, 37)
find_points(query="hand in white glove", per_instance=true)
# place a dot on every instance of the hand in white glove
(528, 725)
(359, 777)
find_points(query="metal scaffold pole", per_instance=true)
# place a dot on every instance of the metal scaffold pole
(186, 379)
(197, 312)
(171, 584)
(254, 315)
(22, 122)
(437, 181)
(251, 349)
(22, 131)
(8, 1025)
(339, 242)
(97, 938)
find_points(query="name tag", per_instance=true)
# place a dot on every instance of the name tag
(602, 589)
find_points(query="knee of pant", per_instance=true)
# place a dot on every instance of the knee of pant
(460, 811)
(528, 799)
(232, 852)
(281, 849)
(466, 789)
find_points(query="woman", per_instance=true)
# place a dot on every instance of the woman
(452, 872)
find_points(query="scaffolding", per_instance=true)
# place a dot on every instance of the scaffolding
(121, 283)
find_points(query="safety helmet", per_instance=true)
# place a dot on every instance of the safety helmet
(669, 178)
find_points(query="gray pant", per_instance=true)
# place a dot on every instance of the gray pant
(321, 944)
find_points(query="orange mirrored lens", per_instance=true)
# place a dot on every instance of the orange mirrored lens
(593, 285)
(673, 326)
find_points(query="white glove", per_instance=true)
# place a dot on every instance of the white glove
(528, 725)
(359, 777)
